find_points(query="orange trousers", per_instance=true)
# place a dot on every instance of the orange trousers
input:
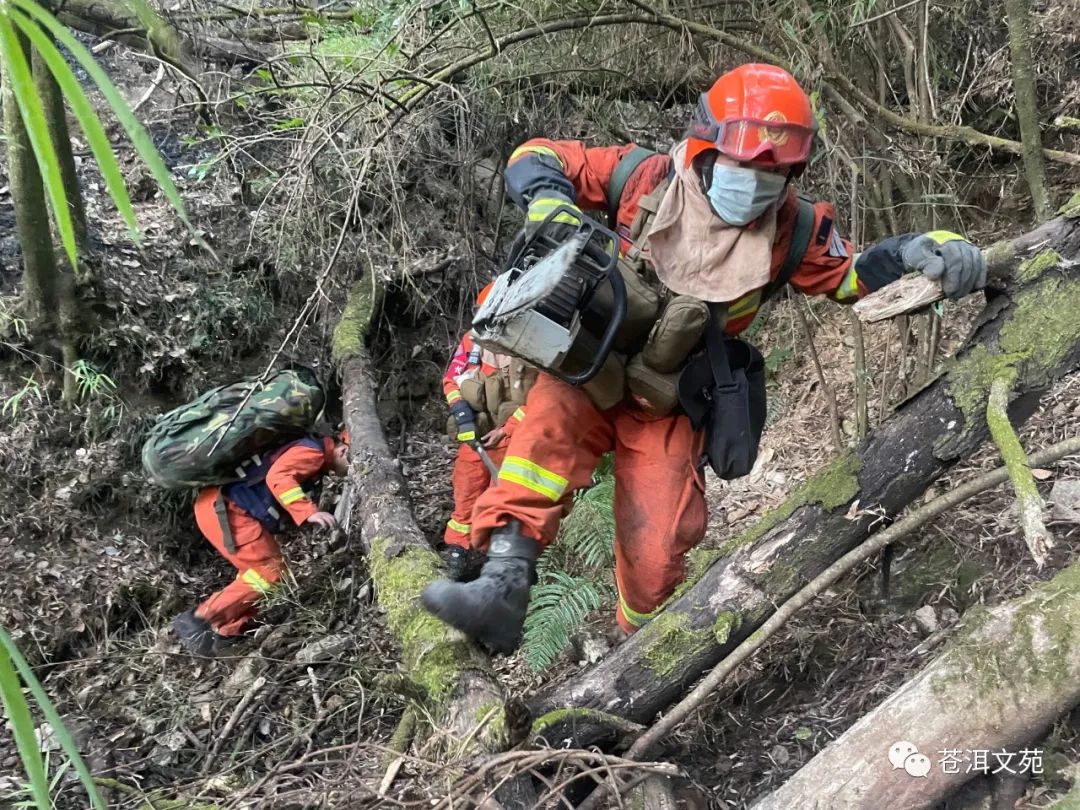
(258, 561)
(470, 478)
(659, 493)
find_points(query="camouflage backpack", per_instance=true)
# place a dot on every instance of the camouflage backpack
(211, 439)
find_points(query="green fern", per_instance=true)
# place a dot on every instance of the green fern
(559, 606)
(575, 574)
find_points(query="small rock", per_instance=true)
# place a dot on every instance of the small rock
(949, 617)
(593, 648)
(1065, 497)
(324, 649)
(926, 618)
(174, 740)
(162, 756)
(780, 755)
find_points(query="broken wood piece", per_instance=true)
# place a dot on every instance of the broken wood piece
(909, 294)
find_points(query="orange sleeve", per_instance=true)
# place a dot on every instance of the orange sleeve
(458, 363)
(540, 163)
(514, 420)
(287, 475)
(828, 266)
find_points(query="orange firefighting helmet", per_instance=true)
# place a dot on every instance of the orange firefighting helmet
(482, 296)
(754, 113)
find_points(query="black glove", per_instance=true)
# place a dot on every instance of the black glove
(466, 421)
(949, 257)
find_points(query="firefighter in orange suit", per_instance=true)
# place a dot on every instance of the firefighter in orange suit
(241, 520)
(491, 417)
(718, 231)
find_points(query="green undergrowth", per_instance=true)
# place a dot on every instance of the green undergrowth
(574, 575)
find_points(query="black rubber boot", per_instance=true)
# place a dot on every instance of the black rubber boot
(462, 564)
(197, 636)
(491, 609)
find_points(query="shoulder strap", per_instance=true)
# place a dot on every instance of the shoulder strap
(800, 241)
(627, 164)
(714, 346)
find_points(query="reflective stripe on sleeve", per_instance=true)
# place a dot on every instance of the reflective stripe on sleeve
(292, 495)
(453, 397)
(467, 436)
(537, 150)
(541, 207)
(533, 477)
(519, 414)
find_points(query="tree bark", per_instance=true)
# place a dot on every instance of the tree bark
(1006, 677)
(1027, 105)
(1032, 329)
(460, 691)
(40, 275)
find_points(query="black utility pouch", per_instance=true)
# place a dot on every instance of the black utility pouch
(722, 391)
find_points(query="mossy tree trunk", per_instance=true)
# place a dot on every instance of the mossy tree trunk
(461, 692)
(1008, 675)
(1031, 329)
(1027, 104)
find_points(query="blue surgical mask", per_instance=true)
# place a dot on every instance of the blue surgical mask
(739, 196)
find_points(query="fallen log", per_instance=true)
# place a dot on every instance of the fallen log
(1009, 674)
(455, 680)
(1030, 328)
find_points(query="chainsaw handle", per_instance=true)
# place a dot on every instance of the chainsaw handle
(618, 315)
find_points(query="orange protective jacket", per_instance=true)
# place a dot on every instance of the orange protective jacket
(583, 173)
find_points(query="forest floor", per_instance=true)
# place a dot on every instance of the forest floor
(96, 562)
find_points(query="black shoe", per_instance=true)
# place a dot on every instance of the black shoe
(198, 637)
(462, 564)
(490, 609)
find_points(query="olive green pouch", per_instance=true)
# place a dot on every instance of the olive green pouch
(472, 391)
(653, 391)
(676, 334)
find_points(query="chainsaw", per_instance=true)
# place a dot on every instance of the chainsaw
(535, 308)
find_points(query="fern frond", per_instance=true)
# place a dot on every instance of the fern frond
(589, 531)
(557, 609)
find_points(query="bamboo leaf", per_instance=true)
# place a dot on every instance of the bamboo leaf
(37, 131)
(22, 725)
(7, 645)
(139, 136)
(84, 113)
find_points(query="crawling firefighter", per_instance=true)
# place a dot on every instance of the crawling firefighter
(486, 394)
(241, 520)
(706, 233)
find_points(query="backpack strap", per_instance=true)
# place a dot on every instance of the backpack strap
(221, 510)
(626, 166)
(800, 241)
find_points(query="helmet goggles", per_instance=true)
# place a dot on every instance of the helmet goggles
(748, 139)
